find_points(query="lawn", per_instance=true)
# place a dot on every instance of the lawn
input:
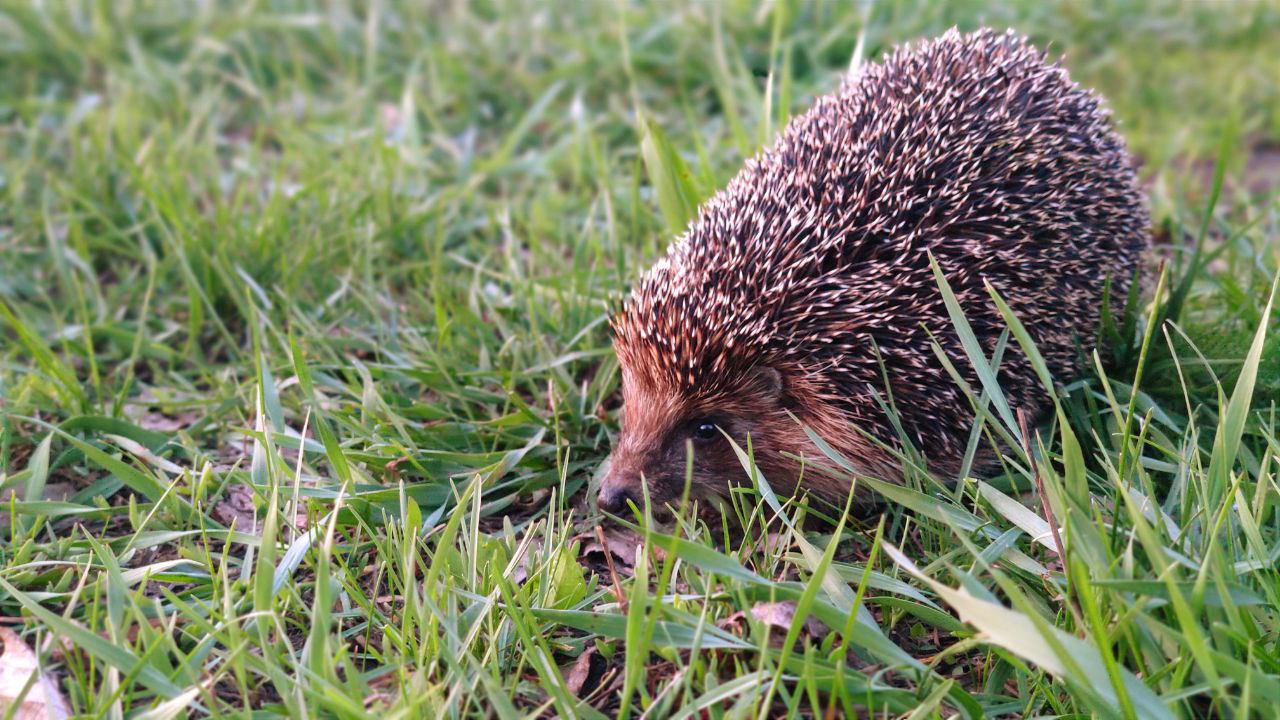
(305, 374)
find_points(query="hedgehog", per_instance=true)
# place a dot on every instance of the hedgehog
(802, 294)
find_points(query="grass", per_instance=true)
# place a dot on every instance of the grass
(304, 374)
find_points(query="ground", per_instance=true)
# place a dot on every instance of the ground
(305, 373)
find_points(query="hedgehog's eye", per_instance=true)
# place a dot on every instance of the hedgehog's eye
(704, 431)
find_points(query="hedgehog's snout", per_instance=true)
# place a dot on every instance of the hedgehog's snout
(620, 485)
(614, 498)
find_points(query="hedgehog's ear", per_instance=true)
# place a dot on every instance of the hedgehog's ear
(769, 380)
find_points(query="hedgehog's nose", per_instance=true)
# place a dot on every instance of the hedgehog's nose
(613, 499)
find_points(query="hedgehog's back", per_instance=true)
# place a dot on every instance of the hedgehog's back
(814, 259)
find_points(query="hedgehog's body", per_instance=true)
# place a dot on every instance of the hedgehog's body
(812, 268)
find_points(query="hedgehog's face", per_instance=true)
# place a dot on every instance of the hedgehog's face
(663, 425)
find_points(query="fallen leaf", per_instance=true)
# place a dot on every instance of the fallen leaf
(236, 506)
(620, 542)
(55, 491)
(589, 666)
(148, 419)
(43, 700)
(783, 614)
(778, 617)
(521, 571)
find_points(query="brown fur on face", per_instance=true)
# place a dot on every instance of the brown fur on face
(661, 425)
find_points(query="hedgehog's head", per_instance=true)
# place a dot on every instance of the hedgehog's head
(664, 422)
(696, 374)
(687, 401)
(703, 365)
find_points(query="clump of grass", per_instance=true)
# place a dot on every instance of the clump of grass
(304, 371)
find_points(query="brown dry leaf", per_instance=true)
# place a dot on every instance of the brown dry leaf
(621, 543)
(782, 614)
(776, 541)
(58, 491)
(589, 665)
(43, 700)
(236, 506)
(521, 571)
(54, 491)
(147, 418)
(160, 422)
(778, 617)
